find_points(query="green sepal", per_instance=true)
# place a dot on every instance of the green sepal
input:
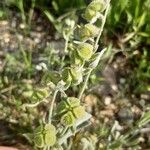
(77, 59)
(66, 76)
(62, 107)
(39, 140)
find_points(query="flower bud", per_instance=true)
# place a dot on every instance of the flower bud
(85, 51)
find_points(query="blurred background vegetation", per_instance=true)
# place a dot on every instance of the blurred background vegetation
(32, 34)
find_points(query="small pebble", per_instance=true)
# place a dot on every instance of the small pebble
(22, 26)
(107, 100)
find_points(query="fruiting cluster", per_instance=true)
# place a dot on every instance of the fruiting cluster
(83, 50)
(83, 59)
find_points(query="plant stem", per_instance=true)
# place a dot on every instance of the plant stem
(85, 84)
(102, 26)
(65, 50)
(95, 49)
(21, 7)
(51, 106)
(31, 12)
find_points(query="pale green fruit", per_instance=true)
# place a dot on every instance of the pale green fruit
(89, 14)
(68, 119)
(92, 29)
(93, 8)
(45, 135)
(79, 112)
(68, 104)
(73, 102)
(88, 31)
(76, 74)
(85, 51)
(50, 128)
(97, 5)
(50, 134)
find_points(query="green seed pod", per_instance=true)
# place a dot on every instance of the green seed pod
(50, 139)
(85, 51)
(88, 31)
(97, 5)
(76, 74)
(73, 102)
(66, 75)
(50, 134)
(50, 128)
(79, 112)
(68, 119)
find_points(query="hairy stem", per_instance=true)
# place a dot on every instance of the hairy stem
(102, 26)
(51, 106)
(85, 84)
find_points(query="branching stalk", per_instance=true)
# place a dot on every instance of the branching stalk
(95, 49)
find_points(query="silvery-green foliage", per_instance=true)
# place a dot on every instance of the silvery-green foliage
(69, 113)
